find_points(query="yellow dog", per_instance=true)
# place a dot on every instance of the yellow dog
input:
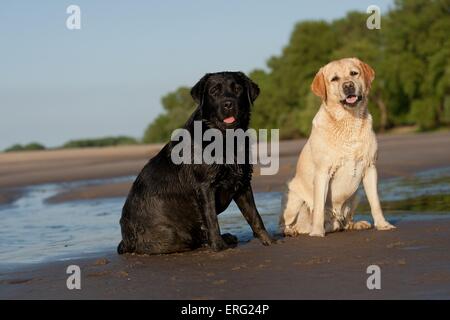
(340, 153)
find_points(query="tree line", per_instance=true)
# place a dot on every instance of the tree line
(410, 54)
(80, 143)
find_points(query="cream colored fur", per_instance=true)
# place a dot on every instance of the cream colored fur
(340, 153)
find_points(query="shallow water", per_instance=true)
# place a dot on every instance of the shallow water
(33, 231)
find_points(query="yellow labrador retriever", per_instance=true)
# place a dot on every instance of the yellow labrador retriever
(340, 152)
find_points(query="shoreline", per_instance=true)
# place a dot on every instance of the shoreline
(399, 156)
(8, 196)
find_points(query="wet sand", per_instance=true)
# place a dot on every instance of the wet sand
(9, 195)
(399, 156)
(414, 262)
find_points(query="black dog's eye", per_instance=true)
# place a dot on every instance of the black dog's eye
(353, 73)
(335, 78)
(214, 90)
(237, 88)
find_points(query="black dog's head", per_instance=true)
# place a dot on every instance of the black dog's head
(225, 99)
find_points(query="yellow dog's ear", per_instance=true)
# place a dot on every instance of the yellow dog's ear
(318, 85)
(368, 73)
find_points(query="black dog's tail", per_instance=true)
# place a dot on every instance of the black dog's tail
(121, 248)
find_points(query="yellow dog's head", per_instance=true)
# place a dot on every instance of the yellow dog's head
(344, 82)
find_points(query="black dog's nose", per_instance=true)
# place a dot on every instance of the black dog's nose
(349, 87)
(228, 105)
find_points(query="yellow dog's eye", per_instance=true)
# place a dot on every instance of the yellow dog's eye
(335, 78)
(353, 73)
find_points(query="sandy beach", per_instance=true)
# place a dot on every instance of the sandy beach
(399, 156)
(414, 262)
(414, 259)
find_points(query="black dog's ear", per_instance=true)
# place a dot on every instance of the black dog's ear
(252, 88)
(198, 90)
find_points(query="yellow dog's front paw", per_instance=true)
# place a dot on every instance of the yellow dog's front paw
(317, 233)
(384, 226)
(289, 231)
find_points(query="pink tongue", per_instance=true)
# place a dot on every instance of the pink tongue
(229, 120)
(351, 99)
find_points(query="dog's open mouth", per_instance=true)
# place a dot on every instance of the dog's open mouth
(351, 100)
(229, 120)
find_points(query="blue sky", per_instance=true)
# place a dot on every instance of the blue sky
(108, 77)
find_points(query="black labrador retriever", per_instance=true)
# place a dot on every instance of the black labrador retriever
(174, 207)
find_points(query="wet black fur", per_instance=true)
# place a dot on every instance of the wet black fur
(174, 208)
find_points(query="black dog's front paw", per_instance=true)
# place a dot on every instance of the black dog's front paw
(230, 239)
(266, 239)
(219, 245)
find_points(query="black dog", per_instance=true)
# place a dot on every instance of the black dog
(174, 207)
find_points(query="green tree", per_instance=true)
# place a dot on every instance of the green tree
(410, 55)
(28, 147)
(285, 88)
(178, 106)
(100, 142)
(417, 40)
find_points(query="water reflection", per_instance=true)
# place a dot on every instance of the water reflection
(426, 192)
